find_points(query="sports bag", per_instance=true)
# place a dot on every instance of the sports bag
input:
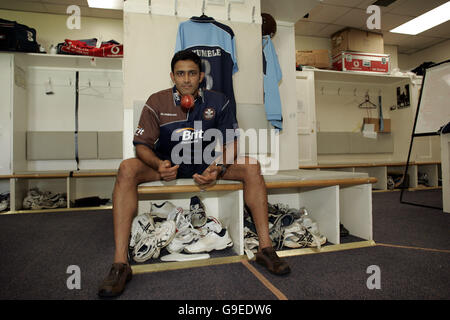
(111, 49)
(17, 37)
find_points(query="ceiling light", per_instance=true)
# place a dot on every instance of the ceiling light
(106, 4)
(425, 21)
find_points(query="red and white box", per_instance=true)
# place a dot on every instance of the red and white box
(361, 61)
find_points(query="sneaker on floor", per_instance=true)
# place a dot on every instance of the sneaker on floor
(212, 224)
(4, 201)
(43, 204)
(197, 212)
(311, 225)
(211, 241)
(299, 236)
(182, 240)
(32, 197)
(151, 244)
(162, 210)
(186, 233)
(142, 224)
(114, 284)
(268, 258)
(164, 233)
(145, 249)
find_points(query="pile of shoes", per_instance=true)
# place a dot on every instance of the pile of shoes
(4, 201)
(177, 230)
(37, 200)
(289, 227)
(422, 179)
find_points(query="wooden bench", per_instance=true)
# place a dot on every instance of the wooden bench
(380, 170)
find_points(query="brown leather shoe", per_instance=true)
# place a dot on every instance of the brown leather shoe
(268, 258)
(114, 283)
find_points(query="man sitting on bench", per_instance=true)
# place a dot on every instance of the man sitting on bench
(164, 120)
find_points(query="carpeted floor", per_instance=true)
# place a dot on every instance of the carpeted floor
(412, 253)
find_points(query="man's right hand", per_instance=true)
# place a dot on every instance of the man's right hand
(166, 171)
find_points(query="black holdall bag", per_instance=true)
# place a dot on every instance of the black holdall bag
(17, 37)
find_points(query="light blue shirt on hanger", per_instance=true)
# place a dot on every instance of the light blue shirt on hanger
(272, 76)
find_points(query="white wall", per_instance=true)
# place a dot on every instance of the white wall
(436, 53)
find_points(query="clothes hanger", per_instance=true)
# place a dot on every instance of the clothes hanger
(367, 104)
(203, 11)
(90, 88)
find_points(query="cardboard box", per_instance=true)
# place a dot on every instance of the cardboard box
(350, 39)
(314, 58)
(376, 122)
(361, 61)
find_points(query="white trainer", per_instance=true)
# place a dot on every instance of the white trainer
(151, 244)
(212, 241)
(164, 233)
(142, 224)
(185, 234)
(162, 210)
(212, 224)
(197, 212)
(298, 236)
(145, 249)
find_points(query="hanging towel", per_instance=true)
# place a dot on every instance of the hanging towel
(272, 76)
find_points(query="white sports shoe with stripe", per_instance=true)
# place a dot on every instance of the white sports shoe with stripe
(162, 210)
(211, 241)
(185, 234)
(151, 244)
(142, 224)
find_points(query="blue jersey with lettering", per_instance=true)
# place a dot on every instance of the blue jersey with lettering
(215, 44)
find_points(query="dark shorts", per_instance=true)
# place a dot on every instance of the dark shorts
(185, 171)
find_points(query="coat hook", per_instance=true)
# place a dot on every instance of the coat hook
(229, 7)
(149, 6)
(203, 7)
(176, 5)
(253, 14)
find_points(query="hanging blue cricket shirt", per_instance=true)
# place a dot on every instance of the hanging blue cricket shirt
(272, 76)
(214, 43)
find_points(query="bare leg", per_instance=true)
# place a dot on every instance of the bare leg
(255, 195)
(131, 173)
